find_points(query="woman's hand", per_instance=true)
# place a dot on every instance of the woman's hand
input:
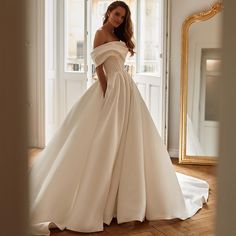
(102, 78)
(104, 87)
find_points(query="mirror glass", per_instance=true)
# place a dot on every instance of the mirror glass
(204, 74)
(201, 67)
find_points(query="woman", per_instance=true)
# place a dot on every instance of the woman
(117, 26)
(107, 159)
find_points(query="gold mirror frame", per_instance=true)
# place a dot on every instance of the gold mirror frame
(202, 16)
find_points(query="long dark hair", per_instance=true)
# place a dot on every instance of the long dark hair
(125, 31)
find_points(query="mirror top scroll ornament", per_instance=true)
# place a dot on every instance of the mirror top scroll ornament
(184, 158)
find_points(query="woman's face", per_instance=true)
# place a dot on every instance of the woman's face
(116, 16)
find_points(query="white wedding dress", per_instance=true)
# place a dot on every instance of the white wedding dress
(107, 160)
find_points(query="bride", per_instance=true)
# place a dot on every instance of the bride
(107, 159)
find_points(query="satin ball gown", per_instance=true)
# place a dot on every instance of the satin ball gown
(107, 160)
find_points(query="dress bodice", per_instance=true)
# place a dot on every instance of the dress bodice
(111, 54)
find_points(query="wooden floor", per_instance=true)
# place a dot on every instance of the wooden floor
(201, 224)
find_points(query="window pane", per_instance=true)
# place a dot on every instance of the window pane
(74, 36)
(150, 34)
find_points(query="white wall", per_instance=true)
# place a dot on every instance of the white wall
(180, 9)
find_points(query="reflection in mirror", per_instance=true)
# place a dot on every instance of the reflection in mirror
(203, 128)
(200, 76)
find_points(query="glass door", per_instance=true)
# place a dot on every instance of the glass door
(73, 69)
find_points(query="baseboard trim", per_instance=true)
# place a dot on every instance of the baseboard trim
(174, 152)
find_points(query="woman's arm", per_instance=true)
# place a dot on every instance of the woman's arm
(99, 39)
(102, 78)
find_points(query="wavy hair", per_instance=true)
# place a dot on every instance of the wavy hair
(125, 31)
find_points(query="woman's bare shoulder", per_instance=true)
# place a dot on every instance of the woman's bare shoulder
(100, 38)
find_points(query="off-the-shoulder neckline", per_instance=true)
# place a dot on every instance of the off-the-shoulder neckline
(114, 41)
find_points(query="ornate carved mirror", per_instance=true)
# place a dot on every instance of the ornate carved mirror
(200, 76)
